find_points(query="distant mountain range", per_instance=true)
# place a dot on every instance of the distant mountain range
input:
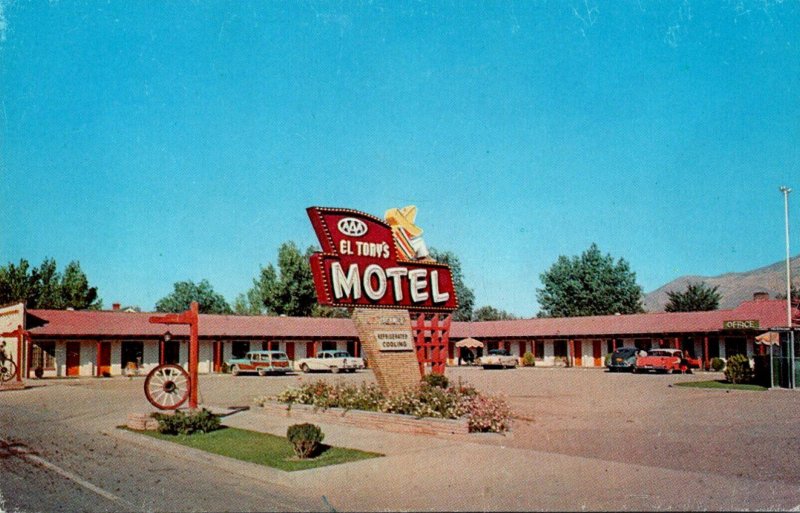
(733, 287)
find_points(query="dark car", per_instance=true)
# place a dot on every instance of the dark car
(624, 358)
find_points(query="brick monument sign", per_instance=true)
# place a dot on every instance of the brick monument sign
(381, 270)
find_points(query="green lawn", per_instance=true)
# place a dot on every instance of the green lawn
(720, 384)
(262, 448)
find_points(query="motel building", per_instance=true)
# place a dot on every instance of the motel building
(114, 342)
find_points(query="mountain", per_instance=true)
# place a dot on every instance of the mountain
(733, 287)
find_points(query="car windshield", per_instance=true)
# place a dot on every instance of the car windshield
(341, 354)
(501, 352)
(625, 351)
(279, 356)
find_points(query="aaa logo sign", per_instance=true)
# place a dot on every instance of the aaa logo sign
(361, 265)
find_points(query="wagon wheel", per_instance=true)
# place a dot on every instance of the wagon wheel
(8, 369)
(167, 387)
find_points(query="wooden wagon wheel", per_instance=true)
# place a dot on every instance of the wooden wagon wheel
(8, 369)
(167, 387)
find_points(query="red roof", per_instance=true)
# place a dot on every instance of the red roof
(87, 323)
(768, 313)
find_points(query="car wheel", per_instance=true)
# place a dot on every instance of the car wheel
(261, 371)
(634, 370)
(235, 370)
(335, 369)
(304, 368)
(351, 371)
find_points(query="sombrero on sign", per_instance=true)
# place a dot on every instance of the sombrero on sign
(404, 218)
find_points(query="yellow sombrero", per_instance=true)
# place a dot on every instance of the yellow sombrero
(404, 218)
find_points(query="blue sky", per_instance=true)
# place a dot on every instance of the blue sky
(157, 142)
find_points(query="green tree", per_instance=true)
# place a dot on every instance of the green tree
(185, 292)
(466, 298)
(490, 313)
(45, 287)
(286, 291)
(591, 284)
(698, 297)
(19, 283)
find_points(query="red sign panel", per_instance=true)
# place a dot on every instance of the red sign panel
(358, 266)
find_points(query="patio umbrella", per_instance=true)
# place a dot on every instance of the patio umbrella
(769, 338)
(469, 342)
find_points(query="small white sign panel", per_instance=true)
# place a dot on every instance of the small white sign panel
(394, 340)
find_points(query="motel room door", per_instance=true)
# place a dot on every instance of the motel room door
(597, 353)
(104, 359)
(578, 353)
(73, 358)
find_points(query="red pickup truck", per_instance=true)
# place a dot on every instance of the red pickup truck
(666, 360)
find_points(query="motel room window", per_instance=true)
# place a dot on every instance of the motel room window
(734, 346)
(329, 345)
(713, 347)
(539, 346)
(643, 343)
(560, 348)
(132, 352)
(44, 355)
(239, 348)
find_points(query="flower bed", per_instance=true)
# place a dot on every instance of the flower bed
(461, 402)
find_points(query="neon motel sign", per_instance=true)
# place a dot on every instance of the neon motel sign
(367, 262)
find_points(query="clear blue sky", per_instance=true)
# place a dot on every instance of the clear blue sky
(157, 142)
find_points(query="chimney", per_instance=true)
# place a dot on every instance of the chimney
(760, 296)
(115, 306)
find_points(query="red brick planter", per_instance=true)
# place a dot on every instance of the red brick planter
(369, 419)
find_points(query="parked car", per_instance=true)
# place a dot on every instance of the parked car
(666, 360)
(498, 359)
(261, 362)
(334, 361)
(622, 359)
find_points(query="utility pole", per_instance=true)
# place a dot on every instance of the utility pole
(790, 338)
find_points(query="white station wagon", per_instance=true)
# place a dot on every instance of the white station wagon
(334, 361)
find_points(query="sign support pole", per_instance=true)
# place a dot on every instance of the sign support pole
(190, 317)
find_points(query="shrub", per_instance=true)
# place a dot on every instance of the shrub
(607, 360)
(487, 413)
(436, 380)
(305, 439)
(717, 364)
(424, 400)
(224, 368)
(528, 360)
(738, 369)
(198, 421)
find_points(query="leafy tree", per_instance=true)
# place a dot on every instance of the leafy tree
(490, 313)
(75, 290)
(466, 298)
(45, 287)
(591, 284)
(187, 291)
(698, 297)
(287, 291)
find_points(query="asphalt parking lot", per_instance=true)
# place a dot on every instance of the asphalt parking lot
(582, 438)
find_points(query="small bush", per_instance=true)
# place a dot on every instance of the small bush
(487, 413)
(181, 423)
(717, 364)
(607, 360)
(528, 360)
(436, 380)
(305, 439)
(738, 369)
(224, 368)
